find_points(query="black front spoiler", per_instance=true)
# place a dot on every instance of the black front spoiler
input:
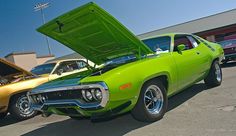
(96, 117)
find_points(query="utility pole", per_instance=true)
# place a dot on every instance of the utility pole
(40, 7)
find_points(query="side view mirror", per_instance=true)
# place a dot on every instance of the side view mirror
(59, 72)
(181, 48)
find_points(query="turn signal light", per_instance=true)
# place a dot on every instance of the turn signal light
(125, 86)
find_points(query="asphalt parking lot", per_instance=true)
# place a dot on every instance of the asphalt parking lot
(197, 111)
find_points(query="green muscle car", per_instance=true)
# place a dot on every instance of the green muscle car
(133, 75)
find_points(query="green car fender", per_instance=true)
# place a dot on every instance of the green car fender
(125, 84)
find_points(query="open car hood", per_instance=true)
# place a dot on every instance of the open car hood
(8, 68)
(94, 33)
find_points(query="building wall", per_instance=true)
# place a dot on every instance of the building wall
(26, 61)
(197, 26)
(211, 38)
(10, 58)
(41, 60)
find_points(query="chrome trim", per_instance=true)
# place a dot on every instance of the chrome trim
(218, 73)
(153, 99)
(57, 103)
(226, 55)
(101, 85)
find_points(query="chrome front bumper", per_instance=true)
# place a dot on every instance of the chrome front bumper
(71, 102)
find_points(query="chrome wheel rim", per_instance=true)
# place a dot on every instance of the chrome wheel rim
(153, 99)
(24, 106)
(218, 73)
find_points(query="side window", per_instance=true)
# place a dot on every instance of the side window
(201, 40)
(159, 44)
(81, 64)
(182, 39)
(193, 41)
(68, 66)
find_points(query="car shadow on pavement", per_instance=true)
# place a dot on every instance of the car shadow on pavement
(185, 95)
(8, 120)
(115, 127)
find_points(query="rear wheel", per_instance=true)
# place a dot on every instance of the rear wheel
(20, 107)
(3, 115)
(214, 77)
(152, 102)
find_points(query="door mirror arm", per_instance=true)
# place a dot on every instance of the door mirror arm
(180, 48)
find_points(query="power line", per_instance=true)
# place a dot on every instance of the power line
(40, 7)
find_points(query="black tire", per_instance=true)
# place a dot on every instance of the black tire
(3, 115)
(214, 77)
(15, 109)
(140, 111)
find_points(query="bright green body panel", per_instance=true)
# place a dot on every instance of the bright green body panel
(181, 71)
(178, 70)
(136, 74)
(93, 33)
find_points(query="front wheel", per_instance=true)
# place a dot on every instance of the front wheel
(20, 107)
(152, 102)
(214, 78)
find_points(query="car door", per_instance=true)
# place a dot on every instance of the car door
(187, 61)
(204, 61)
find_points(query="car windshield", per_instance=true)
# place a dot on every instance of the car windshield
(43, 69)
(159, 44)
(121, 60)
(227, 43)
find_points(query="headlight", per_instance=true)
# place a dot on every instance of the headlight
(43, 98)
(92, 95)
(98, 94)
(37, 99)
(89, 95)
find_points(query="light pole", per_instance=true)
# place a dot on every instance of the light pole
(40, 7)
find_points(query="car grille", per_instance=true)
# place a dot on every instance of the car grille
(56, 95)
(62, 95)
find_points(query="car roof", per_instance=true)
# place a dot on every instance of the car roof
(59, 61)
(167, 34)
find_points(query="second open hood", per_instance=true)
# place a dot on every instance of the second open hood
(8, 68)
(94, 33)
